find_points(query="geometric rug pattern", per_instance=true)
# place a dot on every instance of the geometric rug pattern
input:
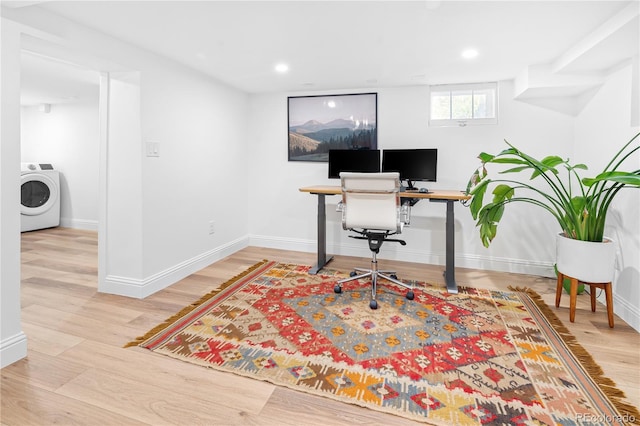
(479, 357)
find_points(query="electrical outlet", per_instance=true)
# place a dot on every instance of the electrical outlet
(212, 227)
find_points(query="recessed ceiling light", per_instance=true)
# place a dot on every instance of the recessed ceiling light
(282, 68)
(469, 53)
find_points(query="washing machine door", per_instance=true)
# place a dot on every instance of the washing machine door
(38, 193)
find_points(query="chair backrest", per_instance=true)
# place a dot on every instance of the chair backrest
(371, 201)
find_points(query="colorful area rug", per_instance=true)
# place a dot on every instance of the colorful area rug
(480, 357)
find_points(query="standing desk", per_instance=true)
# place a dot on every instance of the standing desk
(448, 196)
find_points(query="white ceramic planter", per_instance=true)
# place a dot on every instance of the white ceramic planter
(587, 261)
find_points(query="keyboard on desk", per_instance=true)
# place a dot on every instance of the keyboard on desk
(415, 190)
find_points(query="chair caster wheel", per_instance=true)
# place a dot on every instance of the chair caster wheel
(410, 295)
(337, 289)
(394, 276)
(373, 304)
(353, 273)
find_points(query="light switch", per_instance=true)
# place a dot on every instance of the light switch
(153, 149)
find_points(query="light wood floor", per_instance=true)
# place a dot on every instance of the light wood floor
(77, 372)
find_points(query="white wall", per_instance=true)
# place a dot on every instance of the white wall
(13, 342)
(68, 138)
(286, 217)
(163, 205)
(123, 166)
(201, 173)
(601, 129)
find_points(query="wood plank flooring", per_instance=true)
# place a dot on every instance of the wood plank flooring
(78, 373)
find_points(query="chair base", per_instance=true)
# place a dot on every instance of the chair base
(374, 273)
(573, 293)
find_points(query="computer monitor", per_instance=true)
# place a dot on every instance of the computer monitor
(353, 160)
(412, 164)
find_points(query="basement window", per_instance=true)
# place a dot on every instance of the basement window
(463, 104)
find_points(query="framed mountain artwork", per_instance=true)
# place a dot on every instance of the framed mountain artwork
(318, 124)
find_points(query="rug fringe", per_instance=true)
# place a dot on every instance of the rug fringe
(608, 386)
(186, 310)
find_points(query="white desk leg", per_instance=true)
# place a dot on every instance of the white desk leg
(322, 236)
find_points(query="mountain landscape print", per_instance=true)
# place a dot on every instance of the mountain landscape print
(318, 124)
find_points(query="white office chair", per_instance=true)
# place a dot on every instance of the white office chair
(371, 208)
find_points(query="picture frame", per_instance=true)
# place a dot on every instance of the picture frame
(319, 123)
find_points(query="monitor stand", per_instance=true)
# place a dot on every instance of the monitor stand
(409, 187)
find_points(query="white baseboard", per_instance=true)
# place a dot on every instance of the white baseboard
(89, 225)
(13, 349)
(625, 310)
(141, 288)
(504, 264)
(405, 254)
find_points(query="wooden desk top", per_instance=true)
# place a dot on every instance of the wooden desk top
(438, 194)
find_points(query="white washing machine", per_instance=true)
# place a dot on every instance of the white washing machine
(40, 196)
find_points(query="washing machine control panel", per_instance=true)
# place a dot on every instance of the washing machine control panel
(33, 167)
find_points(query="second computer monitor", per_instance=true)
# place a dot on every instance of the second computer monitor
(412, 164)
(353, 160)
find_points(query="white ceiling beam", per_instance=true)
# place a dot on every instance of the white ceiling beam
(15, 4)
(599, 35)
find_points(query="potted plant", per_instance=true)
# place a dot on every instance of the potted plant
(579, 205)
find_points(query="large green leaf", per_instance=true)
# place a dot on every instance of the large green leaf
(502, 192)
(627, 178)
(507, 160)
(488, 219)
(473, 181)
(579, 166)
(515, 169)
(477, 199)
(508, 151)
(488, 223)
(487, 233)
(485, 158)
(578, 204)
(547, 164)
(494, 214)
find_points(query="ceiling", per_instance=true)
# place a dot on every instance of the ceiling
(332, 45)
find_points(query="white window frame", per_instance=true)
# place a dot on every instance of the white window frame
(451, 88)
